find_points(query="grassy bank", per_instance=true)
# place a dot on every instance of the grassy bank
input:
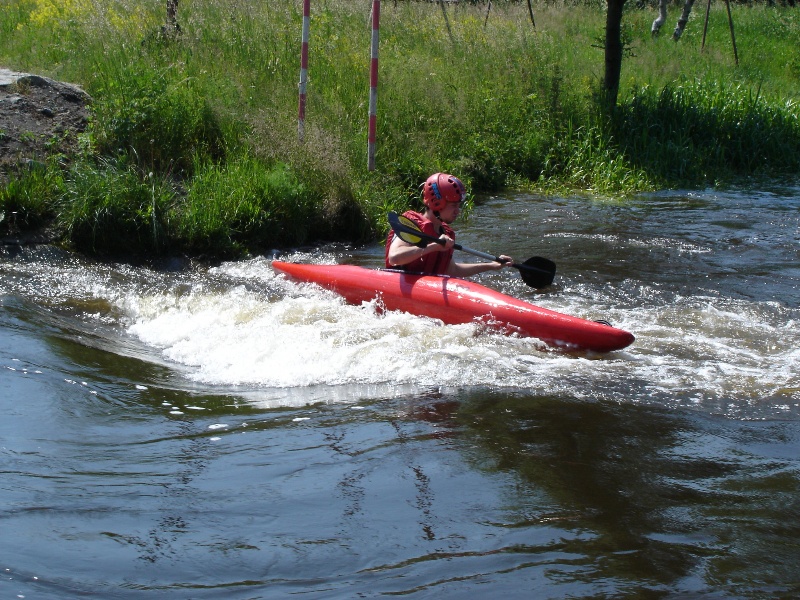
(192, 145)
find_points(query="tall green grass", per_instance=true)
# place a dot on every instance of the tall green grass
(113, 208)
(696, 131)
(212, 114)
(246, 204)
(27, 200)
(162, 121)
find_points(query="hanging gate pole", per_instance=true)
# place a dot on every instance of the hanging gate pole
(301, 111)
(373, 85)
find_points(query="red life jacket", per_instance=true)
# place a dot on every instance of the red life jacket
(435, 263)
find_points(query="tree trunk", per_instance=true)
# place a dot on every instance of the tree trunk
(172, 26)
(613, 52)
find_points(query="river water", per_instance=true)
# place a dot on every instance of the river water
(196, 432)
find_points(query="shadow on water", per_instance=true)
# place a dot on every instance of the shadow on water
(668, 502)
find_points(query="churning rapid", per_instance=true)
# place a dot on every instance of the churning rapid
(707, 282)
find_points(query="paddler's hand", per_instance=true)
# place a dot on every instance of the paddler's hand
(505, 261)
(447, 245)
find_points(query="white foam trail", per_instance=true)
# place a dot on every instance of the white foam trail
(299, 336)
(239, 337)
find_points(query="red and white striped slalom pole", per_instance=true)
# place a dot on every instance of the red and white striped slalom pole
(301, 113)
(373, 85)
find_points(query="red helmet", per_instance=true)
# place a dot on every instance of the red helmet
(441, 188)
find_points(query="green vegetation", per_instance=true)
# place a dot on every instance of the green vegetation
(28, 200)
(111, 207)
(193, 145)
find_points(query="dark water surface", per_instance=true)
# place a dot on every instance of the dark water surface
(223, 433)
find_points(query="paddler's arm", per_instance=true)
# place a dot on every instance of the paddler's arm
(401, 253)
(469, 269)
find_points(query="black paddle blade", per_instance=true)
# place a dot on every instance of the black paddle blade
(407, 230)
(537, 272)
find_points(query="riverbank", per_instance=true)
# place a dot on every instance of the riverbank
(40, 121)
(192, 141)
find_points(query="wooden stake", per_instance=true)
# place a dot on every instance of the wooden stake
(705, 27)
(730, 24)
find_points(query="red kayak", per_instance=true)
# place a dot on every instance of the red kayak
(456, 301)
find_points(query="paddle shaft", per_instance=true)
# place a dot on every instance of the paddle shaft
(441, 242)
(478, 253)
(400, 228)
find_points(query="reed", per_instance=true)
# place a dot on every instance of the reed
(213, 110)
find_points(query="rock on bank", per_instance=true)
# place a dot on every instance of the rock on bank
(38, 117)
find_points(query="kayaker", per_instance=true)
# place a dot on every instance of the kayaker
(442, 195)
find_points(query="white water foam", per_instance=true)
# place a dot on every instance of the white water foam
(700, 350)
(239, 337)
(303, 336)
(242, 328)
